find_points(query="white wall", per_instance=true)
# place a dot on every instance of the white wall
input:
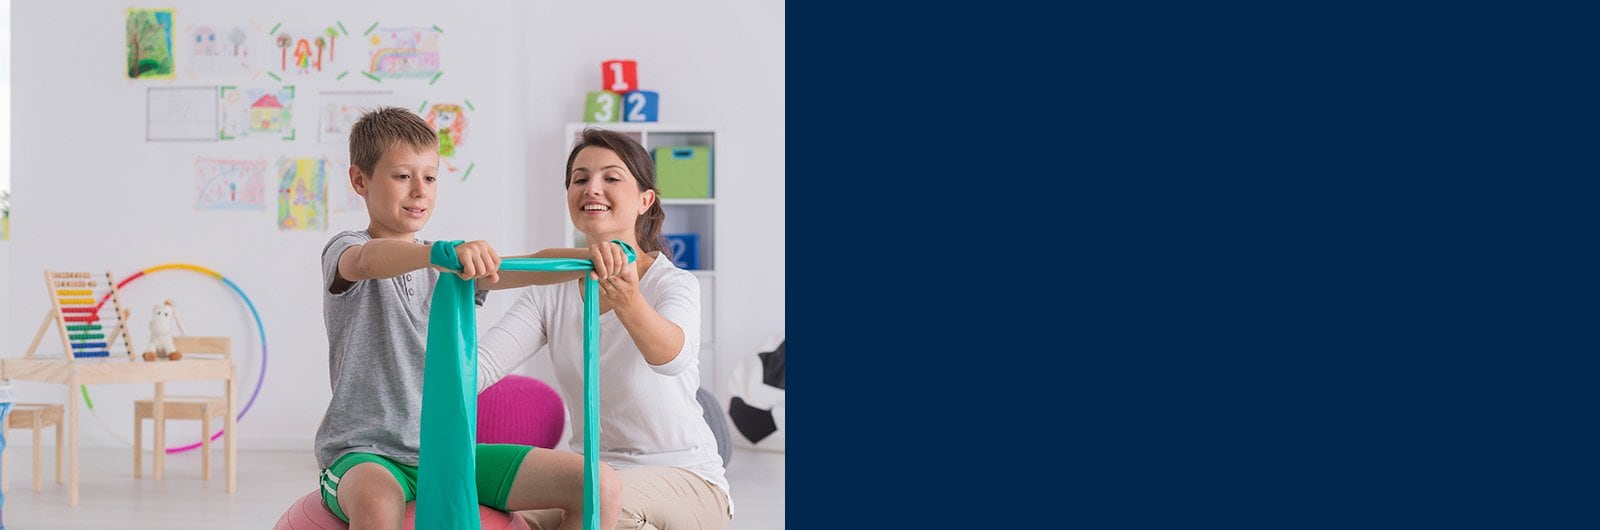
(89, 193)
(715, 63)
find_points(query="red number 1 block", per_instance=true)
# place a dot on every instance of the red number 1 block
(619, 75)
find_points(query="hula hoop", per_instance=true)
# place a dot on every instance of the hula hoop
(260, 330)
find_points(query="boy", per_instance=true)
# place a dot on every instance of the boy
(377, 288)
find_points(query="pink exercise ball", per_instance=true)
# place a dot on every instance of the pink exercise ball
(308, 513)
(521, 410)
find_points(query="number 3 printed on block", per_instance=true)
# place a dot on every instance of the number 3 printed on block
(601, 107)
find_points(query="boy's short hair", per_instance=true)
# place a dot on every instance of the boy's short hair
(380, 129)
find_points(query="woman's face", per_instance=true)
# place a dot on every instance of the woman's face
(603, 197)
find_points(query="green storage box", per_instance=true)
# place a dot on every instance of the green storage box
(683, 171)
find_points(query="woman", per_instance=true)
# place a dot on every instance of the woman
(654, 433)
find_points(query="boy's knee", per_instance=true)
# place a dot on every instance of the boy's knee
(368, 491)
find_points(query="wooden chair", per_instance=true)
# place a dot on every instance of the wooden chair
(34, 416)
(203, 408)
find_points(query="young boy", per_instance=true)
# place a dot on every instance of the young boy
(377, 287)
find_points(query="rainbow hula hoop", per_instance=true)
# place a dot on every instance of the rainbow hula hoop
(260, 330)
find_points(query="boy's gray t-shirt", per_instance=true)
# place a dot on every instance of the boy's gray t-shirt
(377, 335)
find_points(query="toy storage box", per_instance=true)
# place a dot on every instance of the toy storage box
(684, 249)
(683, 172)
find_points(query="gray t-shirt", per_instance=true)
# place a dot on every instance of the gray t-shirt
(377, 334)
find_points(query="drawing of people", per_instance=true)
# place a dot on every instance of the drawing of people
(302, 56)
(450, 121)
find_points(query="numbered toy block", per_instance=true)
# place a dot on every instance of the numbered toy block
(683, 172)
(641, 105)
(684, 249)
(602, 107)
(619, 75)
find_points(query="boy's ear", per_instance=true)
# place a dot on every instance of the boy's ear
(357, 182)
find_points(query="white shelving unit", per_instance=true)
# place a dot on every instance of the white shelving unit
(683, 216)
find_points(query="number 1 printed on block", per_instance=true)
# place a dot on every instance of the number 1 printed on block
(619, 75)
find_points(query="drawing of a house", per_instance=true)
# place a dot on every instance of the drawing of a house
(267, 115)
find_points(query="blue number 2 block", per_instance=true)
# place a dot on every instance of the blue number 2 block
(641, 105)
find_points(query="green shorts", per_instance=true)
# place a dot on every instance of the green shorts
(497, 468)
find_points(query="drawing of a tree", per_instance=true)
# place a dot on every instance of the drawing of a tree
(237, 38)
(320, 43)
(284, 41)
(149, 35)
(332, 33)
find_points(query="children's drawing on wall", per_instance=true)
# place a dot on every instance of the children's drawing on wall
(219, 50)
(181, 113)
(308, 51)
(5, 215)
(227, 184)
(341, 196)
(340, 110)
(302, 194)
(403, 53)
(449, 121)
(256, 113)
(149, 43)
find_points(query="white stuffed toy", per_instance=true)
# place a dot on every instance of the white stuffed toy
(161, 330)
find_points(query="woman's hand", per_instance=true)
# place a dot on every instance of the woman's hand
(618, 279)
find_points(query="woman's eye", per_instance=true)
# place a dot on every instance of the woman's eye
(430, 179)
(580, 180)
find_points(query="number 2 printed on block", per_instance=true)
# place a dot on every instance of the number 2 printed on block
(642, 105)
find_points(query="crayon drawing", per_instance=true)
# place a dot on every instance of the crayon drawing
(403, 53)
(302, 194)
(223, 184)
(308, 50)
(449, 121)
(181, 113)
(220, 50)
(149, 44)
(256, 112)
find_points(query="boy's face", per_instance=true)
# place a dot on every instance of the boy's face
(400, 191)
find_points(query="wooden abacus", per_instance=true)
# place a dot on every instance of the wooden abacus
(76, 303)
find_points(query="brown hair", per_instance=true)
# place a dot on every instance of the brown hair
(381, 129)
(643, 168)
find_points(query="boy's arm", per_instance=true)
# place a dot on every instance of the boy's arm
(382, 258)
(515, 279)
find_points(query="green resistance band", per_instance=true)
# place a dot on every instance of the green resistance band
(447, 489)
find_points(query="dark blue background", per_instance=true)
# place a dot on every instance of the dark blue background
(1192, 265)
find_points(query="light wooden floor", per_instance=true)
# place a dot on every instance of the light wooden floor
(268, 482)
